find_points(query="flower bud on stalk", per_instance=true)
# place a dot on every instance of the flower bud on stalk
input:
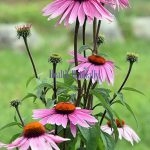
(132, 57)
(23, 31)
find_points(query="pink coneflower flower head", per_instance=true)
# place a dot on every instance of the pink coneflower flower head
(119, 3)
(95, 67)
(124, 131)
(64, 113)
(70, 10)
(35, 136)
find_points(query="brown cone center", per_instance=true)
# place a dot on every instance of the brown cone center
(33, 129)
(96, 60)
(65, 108)
(119, 123)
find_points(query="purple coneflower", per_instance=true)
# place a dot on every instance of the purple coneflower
(70, 10)
(124, 131)
(95, 67)
(119, 3)
(35, 136)
(63, 113)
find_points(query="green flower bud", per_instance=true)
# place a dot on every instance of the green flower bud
(54, 58)
(132, 57)
(15, 103)
(100, 39)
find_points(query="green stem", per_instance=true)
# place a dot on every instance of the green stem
(30, 56)
(64, 143)
(76, 61)
(54, 82)
(83, 35)
(87, 93)
(19, 115)
(94, 36)
(119, 90)
(85, 82)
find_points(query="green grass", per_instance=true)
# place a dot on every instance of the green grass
(16, 68)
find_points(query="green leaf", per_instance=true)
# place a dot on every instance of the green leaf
(110, 111)
(121, 98)
(29, 80)
(133, 90)
(68, 79)
(104, 92)
(92, 137)
(44, 85)
(29, 95)
(10, 124)
(131, 111)
(14, 137)
(64, 97)
(50, 103)
(103, 102)
(84, 48)
(108, 141)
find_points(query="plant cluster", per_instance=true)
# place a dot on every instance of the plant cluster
(76, 108)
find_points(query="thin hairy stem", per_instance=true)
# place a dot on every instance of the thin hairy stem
(19, 115)
(30, 56)
(119, 90)
(76, 61)
(83, 36)
(54, 82)
(94, 36)
(88, 93)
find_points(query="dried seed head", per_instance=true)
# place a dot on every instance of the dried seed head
(132, 57)
(23, 31)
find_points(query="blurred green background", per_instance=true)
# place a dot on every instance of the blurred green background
(15, 67)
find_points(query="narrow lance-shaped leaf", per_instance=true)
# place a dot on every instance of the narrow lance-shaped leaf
(109, 110)
(133, 90)
(108, 141)
(10, 124)
(29, 80)
(84, 48)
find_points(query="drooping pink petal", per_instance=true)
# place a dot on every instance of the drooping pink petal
(73, 129)
(85, 116)
(40, 113)
(24, 146)
(55, 138)
(47, 144)
(75, 120)
(107, 129)
(17, 143)
(81, 14)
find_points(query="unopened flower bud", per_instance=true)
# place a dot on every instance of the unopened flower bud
(15, 103)
(23, 31)
(100, 39)
(132, 57)
(54, 58)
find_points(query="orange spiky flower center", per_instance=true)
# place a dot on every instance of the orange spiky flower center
(65, 108)
(119, 123)
(33, 129)
(96, 60)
